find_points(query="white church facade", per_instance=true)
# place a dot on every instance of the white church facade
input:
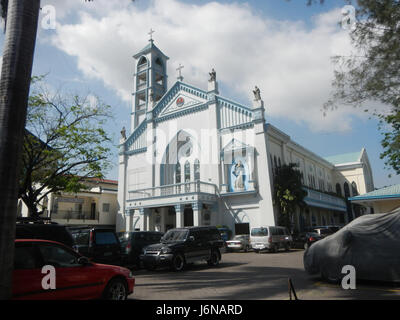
(194, 157)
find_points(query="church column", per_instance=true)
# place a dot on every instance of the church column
(260, 143)
(196, 207)
(122, 192)
(145, 214)
(179, 215)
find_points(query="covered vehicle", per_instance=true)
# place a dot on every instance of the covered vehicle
(370, 243)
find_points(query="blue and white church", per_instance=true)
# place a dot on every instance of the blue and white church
(194, 157)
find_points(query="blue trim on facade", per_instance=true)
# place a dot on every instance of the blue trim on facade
(375, 197)
(322, 204)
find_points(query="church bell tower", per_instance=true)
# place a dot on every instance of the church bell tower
(150, 81)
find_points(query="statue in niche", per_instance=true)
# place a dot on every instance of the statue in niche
(257, 94)
(239, 173)
(213, 75)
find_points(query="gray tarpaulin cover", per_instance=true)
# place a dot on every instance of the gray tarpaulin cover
(370, 243)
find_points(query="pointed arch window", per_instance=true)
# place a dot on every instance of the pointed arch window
(178, 173)
(187, 171)
(338, 189)
(346, 190)
(354, 189)
(196, 170)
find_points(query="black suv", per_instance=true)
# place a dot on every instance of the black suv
(132, 244)
(99, 244)
(44, 230)
(184, 245)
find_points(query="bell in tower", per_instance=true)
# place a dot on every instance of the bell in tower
(150, 80)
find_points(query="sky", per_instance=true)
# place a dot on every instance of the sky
(283, 47)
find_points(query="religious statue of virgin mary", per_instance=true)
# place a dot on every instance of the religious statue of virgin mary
(239, 173)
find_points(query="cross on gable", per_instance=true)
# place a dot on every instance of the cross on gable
(151, 34)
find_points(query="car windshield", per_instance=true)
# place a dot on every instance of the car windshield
(175, 235)
(239, 237)
(325, 231)
(259, 232)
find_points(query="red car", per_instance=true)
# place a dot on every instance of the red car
(75, 277)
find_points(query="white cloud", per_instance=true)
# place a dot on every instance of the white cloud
(289, 61)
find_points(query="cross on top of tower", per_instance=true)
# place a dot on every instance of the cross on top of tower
(151, 34)
(179, 69)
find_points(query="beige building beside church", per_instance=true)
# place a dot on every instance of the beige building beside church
(96, 206)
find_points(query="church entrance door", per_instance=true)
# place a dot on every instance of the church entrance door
(188, 217)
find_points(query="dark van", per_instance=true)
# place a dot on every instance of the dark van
(44, 231)
(100, 245)
(133, 242)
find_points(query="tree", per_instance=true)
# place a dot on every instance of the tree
(64, 144)
(372, 72)
(20, 37)
(288, 193)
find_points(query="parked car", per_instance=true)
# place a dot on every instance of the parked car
(324, 231)
(181, 246)
(224, 232)
(98, 244)
(75, 277)
(132, 244)
(239, 242)
(39, 229)
(270, 238)
(305, 239)
(370, 244)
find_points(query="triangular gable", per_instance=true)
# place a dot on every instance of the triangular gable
(181, 98)
(235, 144)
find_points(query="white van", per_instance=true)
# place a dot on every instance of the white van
(270, 238)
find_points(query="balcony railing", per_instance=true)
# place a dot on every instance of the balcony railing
(173, 189)
(74, 215)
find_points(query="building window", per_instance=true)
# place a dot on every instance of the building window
(178, 173)
(338, 189)
(196, 170)
(187, 171)
(106, 207)
(346, 190)
(354, 189)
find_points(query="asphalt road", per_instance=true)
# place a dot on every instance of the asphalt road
(250, 276)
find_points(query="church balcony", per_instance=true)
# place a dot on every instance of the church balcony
(172, 194)
(323, 200)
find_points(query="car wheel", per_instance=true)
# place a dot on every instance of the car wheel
(178, 262)
(116, 290)
(214, 259)
(274, 249)
(287, 247)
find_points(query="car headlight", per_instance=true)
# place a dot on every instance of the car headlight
(165, 250)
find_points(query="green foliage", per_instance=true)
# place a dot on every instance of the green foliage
(372, 72)
(63, 145)
(288, 192)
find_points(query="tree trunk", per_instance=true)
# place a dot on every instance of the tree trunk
(22, 21)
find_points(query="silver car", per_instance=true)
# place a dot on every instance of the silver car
(239, 242)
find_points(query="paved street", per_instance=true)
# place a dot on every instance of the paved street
(249, 276)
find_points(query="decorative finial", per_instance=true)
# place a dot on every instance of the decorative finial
(151, 34)
(257, 94)
(123, 133)
(213, 75)
(179, 69)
